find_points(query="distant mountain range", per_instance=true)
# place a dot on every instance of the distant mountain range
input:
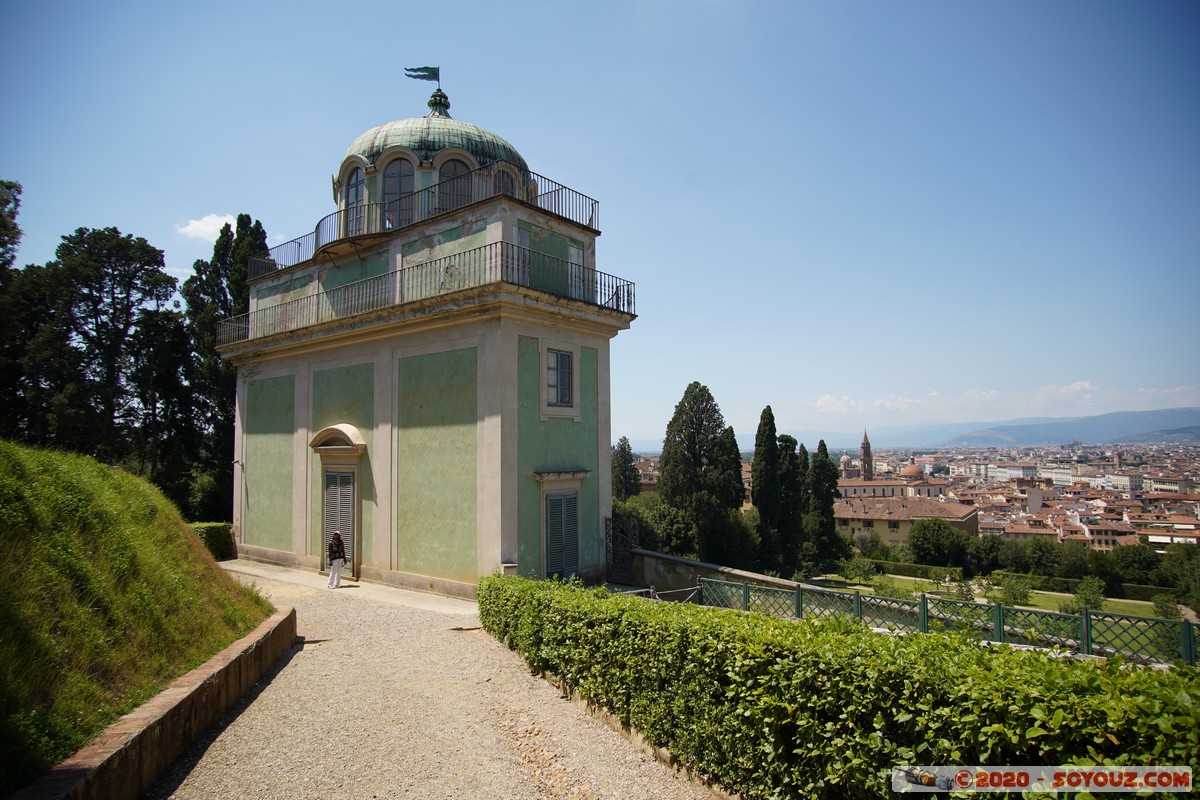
(1170, 425)
(1126, 427)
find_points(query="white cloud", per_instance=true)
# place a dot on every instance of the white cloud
(207, 227)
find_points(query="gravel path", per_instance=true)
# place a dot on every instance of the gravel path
(399, 694)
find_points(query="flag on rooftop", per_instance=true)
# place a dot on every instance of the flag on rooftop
(425, 74)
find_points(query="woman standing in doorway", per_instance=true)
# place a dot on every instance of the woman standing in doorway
(337, 557)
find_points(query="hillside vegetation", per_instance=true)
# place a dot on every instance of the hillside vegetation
(108, 596)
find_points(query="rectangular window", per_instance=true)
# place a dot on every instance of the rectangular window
(868, 523)
(558, 379)
(893, 526)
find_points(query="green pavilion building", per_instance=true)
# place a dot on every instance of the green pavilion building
(428, 370)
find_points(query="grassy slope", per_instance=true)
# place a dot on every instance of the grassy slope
(106, 597)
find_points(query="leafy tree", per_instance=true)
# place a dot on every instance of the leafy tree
(626, 482)
(1043, 553)
(165, 435)
(1088, 594)
(1014, 555)
(984, 554)
(857, 569)
(1015, 590)
(1166, 606)
(823, 491)
(1073, 559)
(790, 498)
(10, 327)
(218, 291)
(10, 231)
(697, 472)
(110, 278)
(661, 527)
(938, 543)
(1135, 563)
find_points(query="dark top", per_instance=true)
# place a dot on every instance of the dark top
(336, 549)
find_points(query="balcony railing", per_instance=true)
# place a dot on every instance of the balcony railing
(497, 178)
(500, 262)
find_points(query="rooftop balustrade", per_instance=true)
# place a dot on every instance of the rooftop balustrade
(497, 263)
(369, 219)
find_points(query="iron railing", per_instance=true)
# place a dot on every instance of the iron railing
(496, 178)
(1140, 640)
(500, 262)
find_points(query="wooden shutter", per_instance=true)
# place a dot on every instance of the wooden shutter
(562, 535)
(339, 512)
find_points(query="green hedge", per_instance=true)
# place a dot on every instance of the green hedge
(217, 538)
(1123, 591)
(914, 570)
(775, 708)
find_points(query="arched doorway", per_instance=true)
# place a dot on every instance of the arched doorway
(341, 448)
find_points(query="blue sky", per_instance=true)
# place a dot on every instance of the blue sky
(864, 214)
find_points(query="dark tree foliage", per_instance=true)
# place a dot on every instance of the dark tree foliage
(765, 491)
(1073, 560)
(10, 231)
(823, 492)
(696, 473)
(1135, 563)
(626, 482)
(791, 488)
(165, 433)
(10, 328)
(218, 291)
(984, 554)
(803, 465)
(764, 471)
(110, 280)
(938, 543)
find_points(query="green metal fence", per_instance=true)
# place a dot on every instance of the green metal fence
(1137, 639)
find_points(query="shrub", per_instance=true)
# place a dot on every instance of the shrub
(1089, 594)
(1014, 589)
(923, 571)
(218, 538)
(777, 708)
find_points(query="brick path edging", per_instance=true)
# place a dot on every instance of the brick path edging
(129, 756)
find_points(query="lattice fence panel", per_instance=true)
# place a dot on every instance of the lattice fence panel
(1042, 628)
(948, 615)
(891, 613)
(1137, 639)
(777, 602)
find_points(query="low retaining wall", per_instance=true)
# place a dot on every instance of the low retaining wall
(133, 752)
(671, 573)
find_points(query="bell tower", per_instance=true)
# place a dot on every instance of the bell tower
(868, 463)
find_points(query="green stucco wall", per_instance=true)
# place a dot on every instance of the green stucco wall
(355, 270)
(267, 455)
(436, 482)
(555, 445)
(345, 395)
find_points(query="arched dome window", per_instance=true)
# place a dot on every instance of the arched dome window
(398, 193)
(454, 189)
(355, 191)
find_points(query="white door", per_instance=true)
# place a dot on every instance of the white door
(339, 515)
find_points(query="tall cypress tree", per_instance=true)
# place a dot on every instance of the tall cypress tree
(790, 496)
(823, 489)
(764, 472)
(626, 482)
